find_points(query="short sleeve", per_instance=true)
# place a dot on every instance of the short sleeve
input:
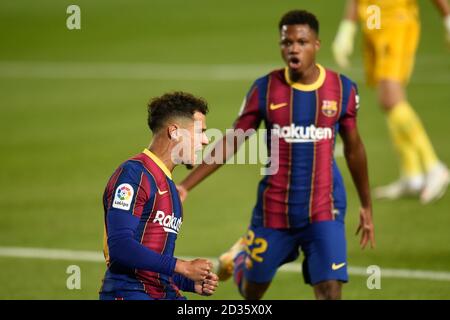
(348, 120)
(249, 114)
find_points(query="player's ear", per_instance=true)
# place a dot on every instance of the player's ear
(172, 132)
(317, 44)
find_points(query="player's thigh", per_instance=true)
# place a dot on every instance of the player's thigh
(253, 290)
(395, 49)
(410, 49)
(325, 250)
(369, 59)
(266, 250)
(328, 290)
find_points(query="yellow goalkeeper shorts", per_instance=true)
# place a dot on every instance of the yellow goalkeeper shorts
(389, 52)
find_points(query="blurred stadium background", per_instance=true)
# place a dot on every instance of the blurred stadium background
(73, 106)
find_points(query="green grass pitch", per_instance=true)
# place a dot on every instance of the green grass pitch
(67, 122)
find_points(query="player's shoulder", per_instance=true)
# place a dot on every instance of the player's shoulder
(137, 168)
(137, 173)
(347, 85)
(344, 78)
(275, 73)
(149, 167)
(131, 171)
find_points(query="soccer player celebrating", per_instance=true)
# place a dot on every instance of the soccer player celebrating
(302, 204)
(389, 58)
(143, 212)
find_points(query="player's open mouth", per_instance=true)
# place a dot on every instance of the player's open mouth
(294, 62)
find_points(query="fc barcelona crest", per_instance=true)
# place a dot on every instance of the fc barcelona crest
(329, 108)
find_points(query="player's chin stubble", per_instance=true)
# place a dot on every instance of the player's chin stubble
(295, 75)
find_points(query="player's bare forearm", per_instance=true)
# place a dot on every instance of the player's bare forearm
(356, 158)
(198, 174)
(443, 7)
(223, 150)
(196, 270)
(351, 11)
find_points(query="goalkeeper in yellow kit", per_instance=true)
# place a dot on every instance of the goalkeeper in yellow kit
(389, 52)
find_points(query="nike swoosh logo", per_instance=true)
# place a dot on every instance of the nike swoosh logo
(162, 192)
(274, 106)
(335, 266)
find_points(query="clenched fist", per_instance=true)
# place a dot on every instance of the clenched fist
(196, 270)
(208, 286)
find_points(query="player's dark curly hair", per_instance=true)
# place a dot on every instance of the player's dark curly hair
(174, 104)
(299, 17)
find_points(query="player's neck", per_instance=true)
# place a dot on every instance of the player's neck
(163, 152)
(309, 76)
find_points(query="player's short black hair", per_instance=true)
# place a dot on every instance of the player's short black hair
(174, 104)
(299, 17)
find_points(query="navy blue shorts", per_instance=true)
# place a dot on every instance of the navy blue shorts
(322, 243)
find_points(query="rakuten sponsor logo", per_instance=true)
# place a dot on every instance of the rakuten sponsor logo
(170, 223)
(301, 134)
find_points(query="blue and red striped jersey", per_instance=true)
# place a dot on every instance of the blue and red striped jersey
(305, 119)
(143, 188)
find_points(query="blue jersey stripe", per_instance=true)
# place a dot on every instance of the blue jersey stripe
(346, 89)
(302, 156)
(148, 208)
(262, 84)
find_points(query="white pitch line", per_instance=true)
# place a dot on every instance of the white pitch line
(94, 256)
(161, 71)
(130, 71)
(51, 254)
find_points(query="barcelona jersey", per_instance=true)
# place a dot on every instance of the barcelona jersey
(307, 187)
(142, 187)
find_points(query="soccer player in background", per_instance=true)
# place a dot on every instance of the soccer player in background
(143, 211)
(303, 205)
(389, 54)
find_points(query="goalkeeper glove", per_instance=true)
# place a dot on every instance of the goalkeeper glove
(343, 43)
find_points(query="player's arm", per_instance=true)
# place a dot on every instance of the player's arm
(343, 43)
(122, 221)
(444, 8)
(355, 156)
(224, 149)
(125, 250)
(183, 283)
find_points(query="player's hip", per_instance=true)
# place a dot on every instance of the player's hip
(300, 182)
(388, 17)
(285, 209)
(286, 217)
(399, 31)
(155, 286)
(323, 244)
